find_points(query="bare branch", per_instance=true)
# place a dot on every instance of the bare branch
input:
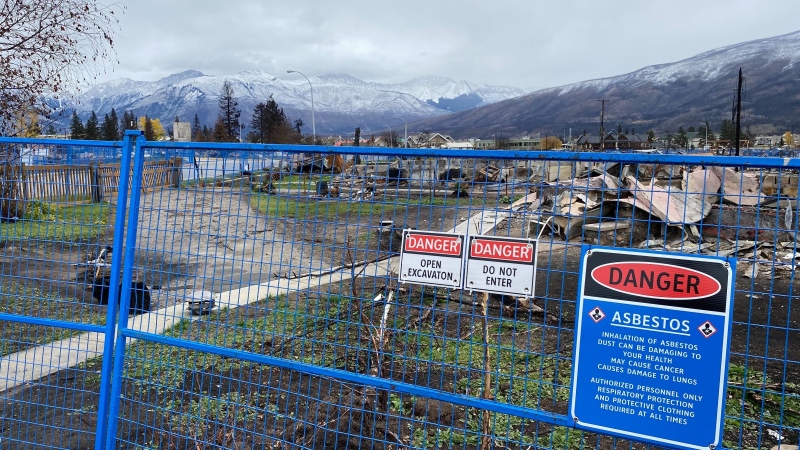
(49, 47)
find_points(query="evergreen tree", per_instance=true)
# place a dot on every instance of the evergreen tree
(50, 130)
(113, 125)
(206, 134)
(149, 131)
(128, 121)
(651, 136)
(298, 124)
(269, 122)
(357, 137)
(109, 128)
(259, 123)
(76, 129)
(104, 134)
(196, 126)
(229, 113)
(220, 132)
(92, 128)
(619, 129)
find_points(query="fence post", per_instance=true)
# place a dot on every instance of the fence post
(94, 175)
(23, 176)
(176, 164)
(125, 297)
(104, 416)
(67, 183)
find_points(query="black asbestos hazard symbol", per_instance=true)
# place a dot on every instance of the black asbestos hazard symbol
(706, 329)
(597, 314)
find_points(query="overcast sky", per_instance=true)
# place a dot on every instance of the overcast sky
(528, 44)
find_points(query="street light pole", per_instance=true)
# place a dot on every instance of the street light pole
(313, 125)
(405, 134)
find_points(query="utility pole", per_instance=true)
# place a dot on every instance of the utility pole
(739, 112)
(602, 130)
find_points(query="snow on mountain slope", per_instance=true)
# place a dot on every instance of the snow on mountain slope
(660, 97)
(193, 92)
(707, 66)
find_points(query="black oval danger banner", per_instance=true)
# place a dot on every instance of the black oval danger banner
(656, 280)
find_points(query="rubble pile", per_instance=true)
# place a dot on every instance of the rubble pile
(711, 210)
(749, 214)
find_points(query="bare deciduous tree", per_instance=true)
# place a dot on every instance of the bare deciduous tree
(49, 47)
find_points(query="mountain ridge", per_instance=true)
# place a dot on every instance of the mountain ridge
(341, 101)
(663, 96)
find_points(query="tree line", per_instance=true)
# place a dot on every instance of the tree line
(112, 128)
(268, 125)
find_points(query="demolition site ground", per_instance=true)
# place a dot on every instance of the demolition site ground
(220, 239)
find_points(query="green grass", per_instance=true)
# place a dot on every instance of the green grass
(301, 181)
(520, 378)
(754, 400)
(209, 181)
(274, 206)
(231, 329)
(32, 302)
(167, 369)
(48, 221)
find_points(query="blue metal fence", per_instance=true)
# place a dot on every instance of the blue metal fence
(276, 319)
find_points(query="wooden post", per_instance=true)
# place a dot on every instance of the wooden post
(23, 175)
(96, 180)
(176, 164)
(67, 182)
(486, 438)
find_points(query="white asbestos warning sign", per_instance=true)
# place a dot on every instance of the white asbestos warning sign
(431, 258)
(501, 265)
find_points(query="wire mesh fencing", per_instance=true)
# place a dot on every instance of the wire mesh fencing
(56, 233)
(267, 307)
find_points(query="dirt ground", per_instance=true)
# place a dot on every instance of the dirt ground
(213, 239)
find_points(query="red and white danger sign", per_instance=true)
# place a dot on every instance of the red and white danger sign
(501, 265)
(431, 258)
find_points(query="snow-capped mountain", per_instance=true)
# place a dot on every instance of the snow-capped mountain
(662, 97)
(341, 102)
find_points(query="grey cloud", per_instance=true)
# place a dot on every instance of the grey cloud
(526, 44)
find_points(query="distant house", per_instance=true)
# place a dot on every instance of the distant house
(588, 142)
(428, 140)
(767, 141)
(632, 141)
(523, 143)
(612, 142)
